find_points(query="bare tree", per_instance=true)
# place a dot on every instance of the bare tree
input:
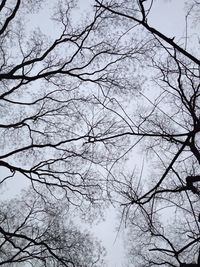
(37, 231)
(49, 90)
(161, 204)
(76, 104)
(57, 98)
(56, 94)
(46, 124)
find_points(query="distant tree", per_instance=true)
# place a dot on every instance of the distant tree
(36, 231)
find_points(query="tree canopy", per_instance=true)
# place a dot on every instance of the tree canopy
(98, 106)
